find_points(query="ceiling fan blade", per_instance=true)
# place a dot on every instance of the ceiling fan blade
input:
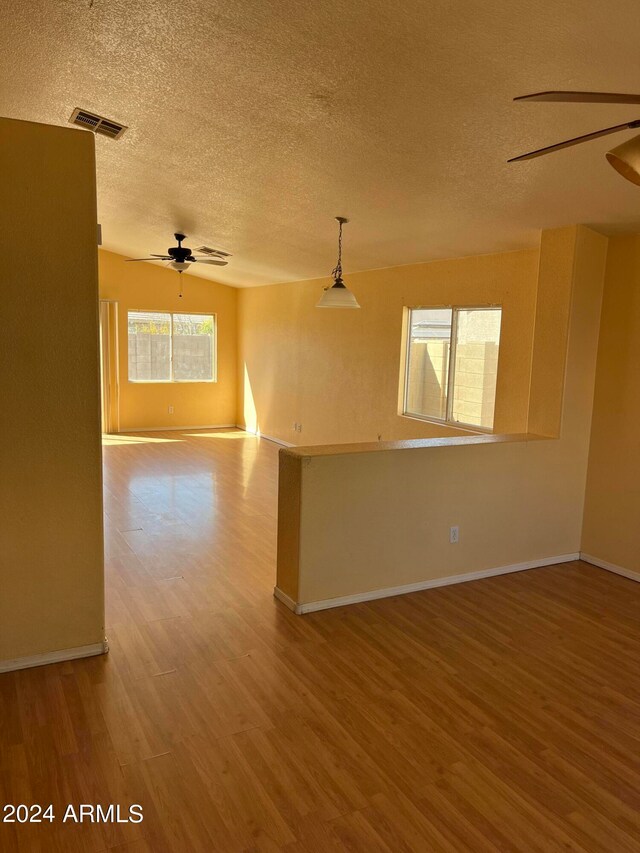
(164, 257)
(218, 262)
(581, 97)
(154, 258)
(575, 141)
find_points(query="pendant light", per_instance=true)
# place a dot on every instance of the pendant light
(338, 295)
(625, 159)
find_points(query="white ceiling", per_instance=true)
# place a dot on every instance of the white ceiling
(252, 123)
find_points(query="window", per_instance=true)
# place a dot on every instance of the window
(452, 365)
(167, 347)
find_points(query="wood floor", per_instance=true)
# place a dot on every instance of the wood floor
(497, 715)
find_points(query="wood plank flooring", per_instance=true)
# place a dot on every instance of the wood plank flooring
(497, 715)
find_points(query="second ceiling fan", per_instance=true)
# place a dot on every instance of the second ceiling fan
(624, 158)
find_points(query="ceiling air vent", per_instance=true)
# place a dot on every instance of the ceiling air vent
(99, 124)
(207, 250)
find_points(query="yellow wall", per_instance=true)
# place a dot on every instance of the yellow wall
(612, 507)
(149, 287)
(558, 256)
(375, 517)
(51, 568)
(337, 372)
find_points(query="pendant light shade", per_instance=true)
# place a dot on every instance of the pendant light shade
(181, 266)
(625, 159)
(338, 295)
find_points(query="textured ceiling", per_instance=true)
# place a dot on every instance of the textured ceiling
(253, 123)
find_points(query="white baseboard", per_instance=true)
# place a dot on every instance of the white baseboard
(359, 597)
(175, 428)
(610, 567)
(285, 599)
(268, 437)
(54, 657)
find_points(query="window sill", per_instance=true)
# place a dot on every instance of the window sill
(172, 381)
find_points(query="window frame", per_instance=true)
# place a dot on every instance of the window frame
(451, 369)
(173, 381)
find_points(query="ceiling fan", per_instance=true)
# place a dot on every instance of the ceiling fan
(181, 257)
(624, 158)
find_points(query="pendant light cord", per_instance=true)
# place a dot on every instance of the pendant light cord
(337, 270)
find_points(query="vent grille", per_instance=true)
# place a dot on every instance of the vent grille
(207, 250)
(99, 124)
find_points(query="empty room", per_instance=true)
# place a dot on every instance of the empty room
(319, 458)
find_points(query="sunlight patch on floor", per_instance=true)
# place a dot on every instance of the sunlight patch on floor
(122, 440)
(234, 434)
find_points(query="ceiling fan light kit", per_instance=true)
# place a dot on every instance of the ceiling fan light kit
(624, 158)
(338, 294)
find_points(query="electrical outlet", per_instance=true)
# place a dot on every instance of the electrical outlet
(295, 427)
(454, 534)
(299, 427)
(170, 410)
